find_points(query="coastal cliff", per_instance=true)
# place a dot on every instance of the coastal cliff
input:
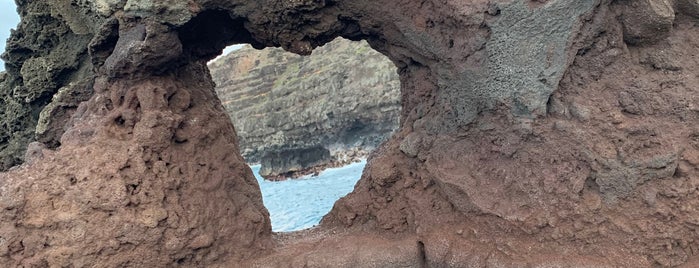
(297, 115)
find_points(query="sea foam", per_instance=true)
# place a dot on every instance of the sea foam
(301, 203)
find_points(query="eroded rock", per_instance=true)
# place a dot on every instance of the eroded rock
(149, 172)
(647, 21)
(689, 7)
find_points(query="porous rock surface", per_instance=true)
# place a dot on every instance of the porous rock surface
(46, 54)
(551, 133)
(300, 114)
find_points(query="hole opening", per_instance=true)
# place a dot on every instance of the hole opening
(308, 123)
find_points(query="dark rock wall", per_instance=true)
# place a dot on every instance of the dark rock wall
(344, 98)
(46, 54)
(533, 133)
(284, 164)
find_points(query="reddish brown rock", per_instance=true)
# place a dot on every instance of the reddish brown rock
(150, 181)
(532, 134)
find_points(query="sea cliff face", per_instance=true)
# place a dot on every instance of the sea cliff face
(298, 114)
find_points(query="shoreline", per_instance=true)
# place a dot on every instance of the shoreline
(313, 171)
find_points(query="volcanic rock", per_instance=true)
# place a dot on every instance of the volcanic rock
(533, 133)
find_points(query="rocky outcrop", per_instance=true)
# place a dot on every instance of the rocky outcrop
(298, 114)
(533, 133)
(48, 53)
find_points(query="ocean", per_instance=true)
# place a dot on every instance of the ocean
(299, 204)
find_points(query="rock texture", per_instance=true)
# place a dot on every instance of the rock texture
(47, 54)
(296, 115)
(533, 133)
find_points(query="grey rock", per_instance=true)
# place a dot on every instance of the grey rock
(689, 7)
(344, 98)
(46, 52)
(647, 21)
(523, 66)
(411, 145)
(35, 151)
(580, 112)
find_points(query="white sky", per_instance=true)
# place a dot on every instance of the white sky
(8, 20)
(229, 49)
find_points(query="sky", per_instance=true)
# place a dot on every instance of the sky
(8, 20)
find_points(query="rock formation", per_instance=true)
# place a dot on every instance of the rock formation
(559, 133)
(296, 115)
(48, 53)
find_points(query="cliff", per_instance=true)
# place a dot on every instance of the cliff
(298, 114)
(559, 133)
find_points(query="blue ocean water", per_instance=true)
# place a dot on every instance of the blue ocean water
(300, 203)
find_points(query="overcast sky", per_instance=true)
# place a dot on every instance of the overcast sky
(8, 20)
